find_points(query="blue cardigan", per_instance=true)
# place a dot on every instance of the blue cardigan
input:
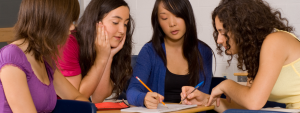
(151, 70)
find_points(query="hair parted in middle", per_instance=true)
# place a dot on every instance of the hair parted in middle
(181, 9)
(85, 34)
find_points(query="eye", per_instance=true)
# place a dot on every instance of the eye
(116, 23)
(125, 25)
(164, 18)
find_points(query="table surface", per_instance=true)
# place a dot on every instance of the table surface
(240, 74)
(195, 109)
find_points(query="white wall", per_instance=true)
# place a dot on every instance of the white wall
(141, 12)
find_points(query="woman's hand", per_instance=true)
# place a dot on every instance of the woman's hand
(102, 44)
(115, 50)
(152, 99)
(197, 97)
(215, 95)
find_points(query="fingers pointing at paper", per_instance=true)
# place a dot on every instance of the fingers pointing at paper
(215, 96)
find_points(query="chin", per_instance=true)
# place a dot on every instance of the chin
(175, 38)
(113, 45)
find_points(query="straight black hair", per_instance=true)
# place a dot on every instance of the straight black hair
(182, 9)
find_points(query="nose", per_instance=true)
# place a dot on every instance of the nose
(122, 29)
(172, 21)
(220, 39)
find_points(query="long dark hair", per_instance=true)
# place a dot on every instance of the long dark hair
(45, 24)
(182, 9)
(249, 22)
(121, 69)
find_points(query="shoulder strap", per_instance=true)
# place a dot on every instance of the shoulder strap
(276, 30)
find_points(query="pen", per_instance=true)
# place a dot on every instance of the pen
(148, 88)
(193, 90)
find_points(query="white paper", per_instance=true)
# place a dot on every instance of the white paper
(160, 108)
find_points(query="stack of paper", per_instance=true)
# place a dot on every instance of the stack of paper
(160, 108)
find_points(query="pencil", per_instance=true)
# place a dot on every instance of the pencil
(148, 88)
(193, 90)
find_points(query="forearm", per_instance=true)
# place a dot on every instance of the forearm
(224, 105)
(105, 86)
(92, 78)
(81, 98)
(242, 95)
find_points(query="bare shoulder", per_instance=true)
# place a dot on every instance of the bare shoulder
(278, 37)
(11, 71)
(278, 40)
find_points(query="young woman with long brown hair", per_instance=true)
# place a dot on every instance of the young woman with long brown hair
(96, 58)
(264, 44)
(29, 80)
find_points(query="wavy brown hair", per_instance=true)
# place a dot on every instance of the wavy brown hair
(85, 34)
(45, 24)
(249, 22)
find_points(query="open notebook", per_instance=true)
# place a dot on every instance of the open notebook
(160, 108)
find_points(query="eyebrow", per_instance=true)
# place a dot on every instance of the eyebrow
(162, 13)
(119, 17)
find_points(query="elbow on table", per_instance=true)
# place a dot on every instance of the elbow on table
(255, 105)
(101, 98)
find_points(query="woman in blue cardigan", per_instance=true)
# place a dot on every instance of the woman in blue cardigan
(174, 57)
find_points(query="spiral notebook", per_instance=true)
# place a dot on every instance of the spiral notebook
(160, 108)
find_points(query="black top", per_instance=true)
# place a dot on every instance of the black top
(173, 85)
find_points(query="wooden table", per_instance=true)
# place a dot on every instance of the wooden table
(240, 74)
(190, 110)
(7, 34)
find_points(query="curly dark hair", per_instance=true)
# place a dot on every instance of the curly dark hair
(249, 22)
(121, 69)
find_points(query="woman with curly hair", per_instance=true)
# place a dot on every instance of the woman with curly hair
(264, 44)
(96, 58)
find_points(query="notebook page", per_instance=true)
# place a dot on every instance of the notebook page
(160, 108)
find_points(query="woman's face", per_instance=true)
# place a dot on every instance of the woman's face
(115, 23)
(222, 39)
(174, 27)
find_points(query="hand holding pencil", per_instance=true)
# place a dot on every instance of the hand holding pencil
(152, 99)
(197, 97)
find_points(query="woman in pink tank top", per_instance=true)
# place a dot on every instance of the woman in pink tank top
(29, 79)
(96, 58)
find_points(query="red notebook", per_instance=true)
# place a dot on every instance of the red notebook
(111, 105)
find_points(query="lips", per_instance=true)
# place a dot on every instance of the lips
(175, 32)
(118, 38)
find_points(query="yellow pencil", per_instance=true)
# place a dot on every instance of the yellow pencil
(148, 88)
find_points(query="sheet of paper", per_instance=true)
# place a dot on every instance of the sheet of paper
(160, 108)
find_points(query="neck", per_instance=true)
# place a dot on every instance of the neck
(176, 44)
